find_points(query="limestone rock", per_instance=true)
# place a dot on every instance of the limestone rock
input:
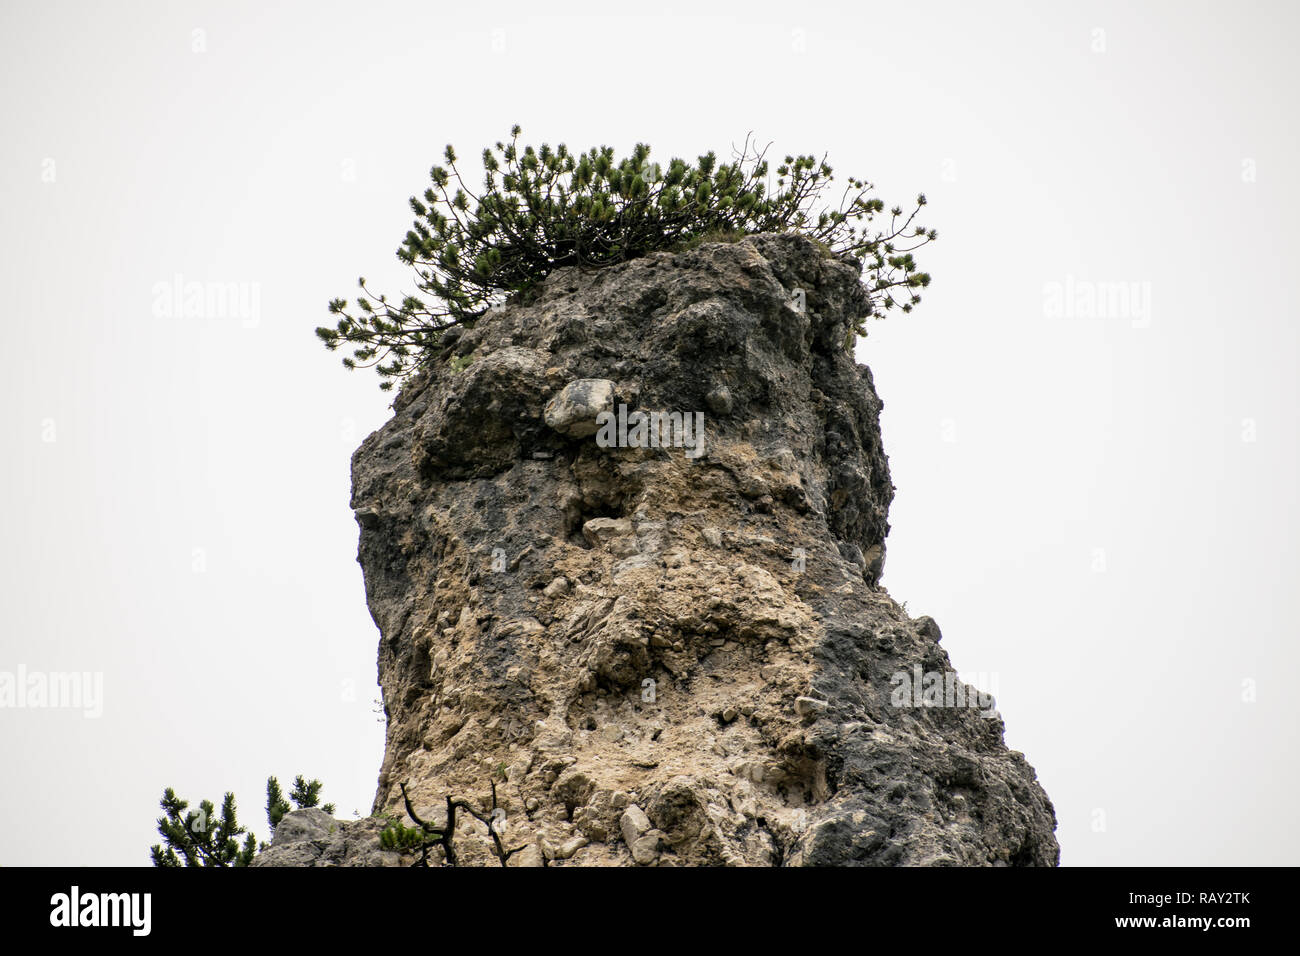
(573, 411)
(314, 838)
(721, 679)
(600, 531)
(720, 401)
(634, 824)
(645, 849)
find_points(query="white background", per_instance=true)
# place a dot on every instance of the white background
(1100, 512)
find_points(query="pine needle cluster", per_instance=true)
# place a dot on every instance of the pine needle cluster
(204, 837)
(540, 209)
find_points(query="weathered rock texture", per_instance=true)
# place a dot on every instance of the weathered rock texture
(314, 838)
(659, 658)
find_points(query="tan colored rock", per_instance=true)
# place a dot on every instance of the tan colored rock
(600, 531)
(570, 847)
(573, 411)
(634, 824)
(645, 849)
(651, 659)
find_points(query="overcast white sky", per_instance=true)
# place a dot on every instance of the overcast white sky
(1098, 509)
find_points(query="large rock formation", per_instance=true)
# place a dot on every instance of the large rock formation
(674, 655)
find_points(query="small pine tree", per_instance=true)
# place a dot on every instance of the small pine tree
(204, 838)
(201, 837)
(543, 208)
(307, 794)
(304, 794)
(276, 805)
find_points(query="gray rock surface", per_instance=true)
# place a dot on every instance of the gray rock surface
(573, 411)
(314, 838)
(721, 658)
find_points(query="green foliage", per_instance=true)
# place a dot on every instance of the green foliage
(395, 836)
(201, 837)
(543, 208)
(304, 794)
(713, 235)
(424, 837)
(276, 805)
(204, 838)
(307, 794)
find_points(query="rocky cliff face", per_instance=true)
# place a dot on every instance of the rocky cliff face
(673, 655)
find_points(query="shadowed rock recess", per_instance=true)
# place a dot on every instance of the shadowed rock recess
(663, 657)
